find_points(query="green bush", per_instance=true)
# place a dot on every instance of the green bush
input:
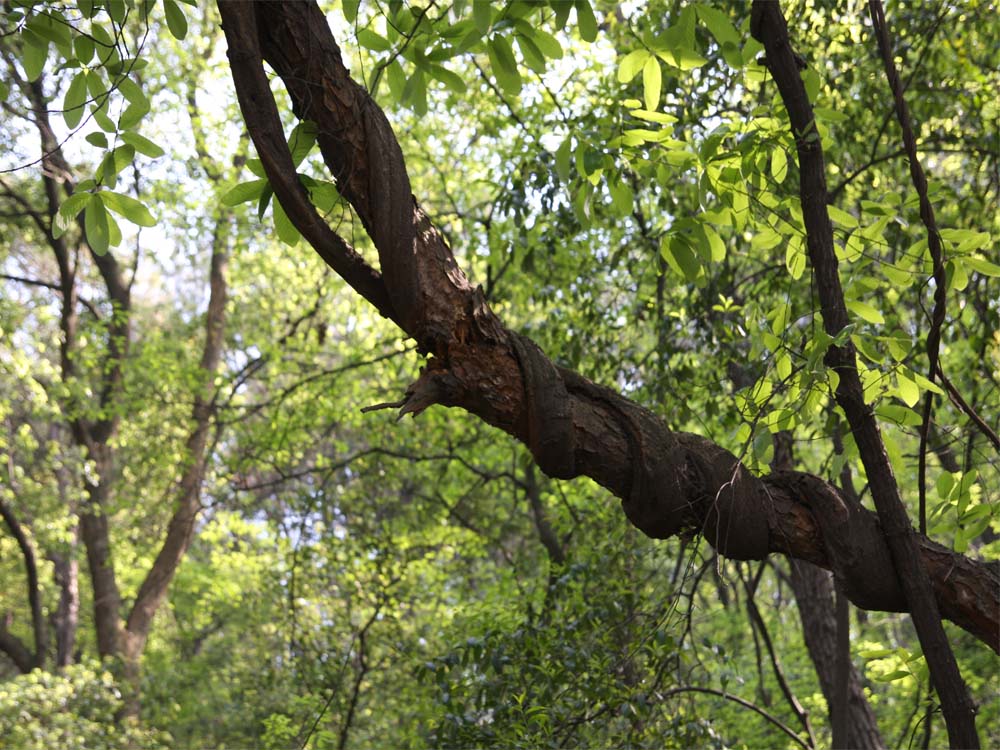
(71, 710)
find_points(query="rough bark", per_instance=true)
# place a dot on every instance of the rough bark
(668, 481)
(768, 25)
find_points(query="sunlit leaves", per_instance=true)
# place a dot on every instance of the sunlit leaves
(95, 223)
(128, 207)
(651, 81)
(142, 144)
(726, 35)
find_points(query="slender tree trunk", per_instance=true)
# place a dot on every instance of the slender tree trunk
(814, 594)
(66, 571)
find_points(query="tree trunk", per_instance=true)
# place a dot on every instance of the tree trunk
(814, 596)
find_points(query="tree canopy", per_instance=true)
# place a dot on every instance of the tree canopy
(730, 266)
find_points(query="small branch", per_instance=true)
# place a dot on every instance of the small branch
(919, 180)
(960, 402)
(745, 703)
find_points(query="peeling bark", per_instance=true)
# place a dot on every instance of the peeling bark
(669, 482)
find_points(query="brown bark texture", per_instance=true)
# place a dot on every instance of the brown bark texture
(668, 481)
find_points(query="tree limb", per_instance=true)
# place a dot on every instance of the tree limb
(668, 481)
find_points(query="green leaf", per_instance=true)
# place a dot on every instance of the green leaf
(658, 117)
(397, 80)
(415, 92)
(586, 21)
(244, 192)
(533, 56)
(712, 247)
(503, 64)
(865, 311)
(482, 15)
(76, 97)
(143, 145)
(256, 167)
(907, 389)
(622, 198)
(563, 158)
(301, 141)
(95, 224)
(779, 165)
(287, 232)
(34, 54)
(370, 40)
(926, 384)
(676, 250)
(795, 258)
(84, 47)
(350, 8)
(562, 9)
(765, 238)
(114, 162)
(841, 217)
(127, 206)
(651, 80)
(892, 676)
(176, 21)
(97, 139)
(547, 44)
(725, 34)
(631, 64)
(979, 265)
(452, 80)
(264, 202)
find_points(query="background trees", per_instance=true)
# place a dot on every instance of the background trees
(624, 186)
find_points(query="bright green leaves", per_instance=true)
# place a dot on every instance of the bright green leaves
(138, 104)
(128, 207)
(726, 36)
(865, 311)
(100, 228)
(142, 145)
(417, 49)
(651, 81)
(691, 246)
(370, 40)
(960, 508)
(323, 194)
(677, 250)
(244, 192)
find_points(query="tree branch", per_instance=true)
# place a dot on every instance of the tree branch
(669, 482)
(768, 25)
(34, 597)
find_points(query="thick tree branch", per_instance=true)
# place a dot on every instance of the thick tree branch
(768, 25)
(669, 482)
